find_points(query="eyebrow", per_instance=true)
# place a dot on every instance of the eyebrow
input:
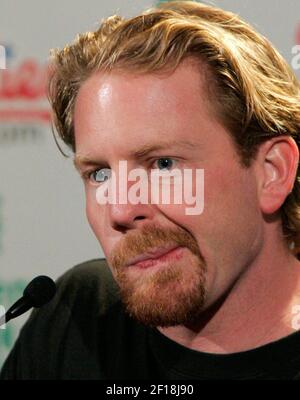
(141, 152)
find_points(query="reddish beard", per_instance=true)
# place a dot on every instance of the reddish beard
(171, 295)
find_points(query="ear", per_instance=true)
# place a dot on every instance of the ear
(277, 160)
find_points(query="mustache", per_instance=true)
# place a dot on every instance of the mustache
(146, 239)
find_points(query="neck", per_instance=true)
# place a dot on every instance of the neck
(257, 310)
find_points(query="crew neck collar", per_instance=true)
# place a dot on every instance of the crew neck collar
(260, 362)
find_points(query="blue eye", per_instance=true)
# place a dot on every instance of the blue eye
(164, 163)
(100, 175)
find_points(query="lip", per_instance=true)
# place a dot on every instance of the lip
(151, 255)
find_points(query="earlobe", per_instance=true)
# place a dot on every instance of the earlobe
(278, 160)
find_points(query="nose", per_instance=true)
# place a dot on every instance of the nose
(134, 213)
(128, 216)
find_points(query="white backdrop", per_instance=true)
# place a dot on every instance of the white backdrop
(43, 229)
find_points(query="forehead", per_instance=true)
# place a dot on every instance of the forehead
(125, 108)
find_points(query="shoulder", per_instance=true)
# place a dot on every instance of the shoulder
(84, 293)
(68, 326)
(91, 270)
(87, 285)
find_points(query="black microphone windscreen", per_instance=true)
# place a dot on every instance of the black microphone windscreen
(40, 290)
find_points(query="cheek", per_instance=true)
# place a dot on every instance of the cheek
(222, 201)
(93, 211)
(97, 218)
(185, 197)
(231, 215)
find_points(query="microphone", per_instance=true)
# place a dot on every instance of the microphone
(37, 293)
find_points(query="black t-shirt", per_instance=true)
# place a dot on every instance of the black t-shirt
(84, 333)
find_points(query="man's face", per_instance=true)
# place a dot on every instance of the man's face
(118, 114)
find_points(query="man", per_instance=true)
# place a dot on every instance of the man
(207, 296)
